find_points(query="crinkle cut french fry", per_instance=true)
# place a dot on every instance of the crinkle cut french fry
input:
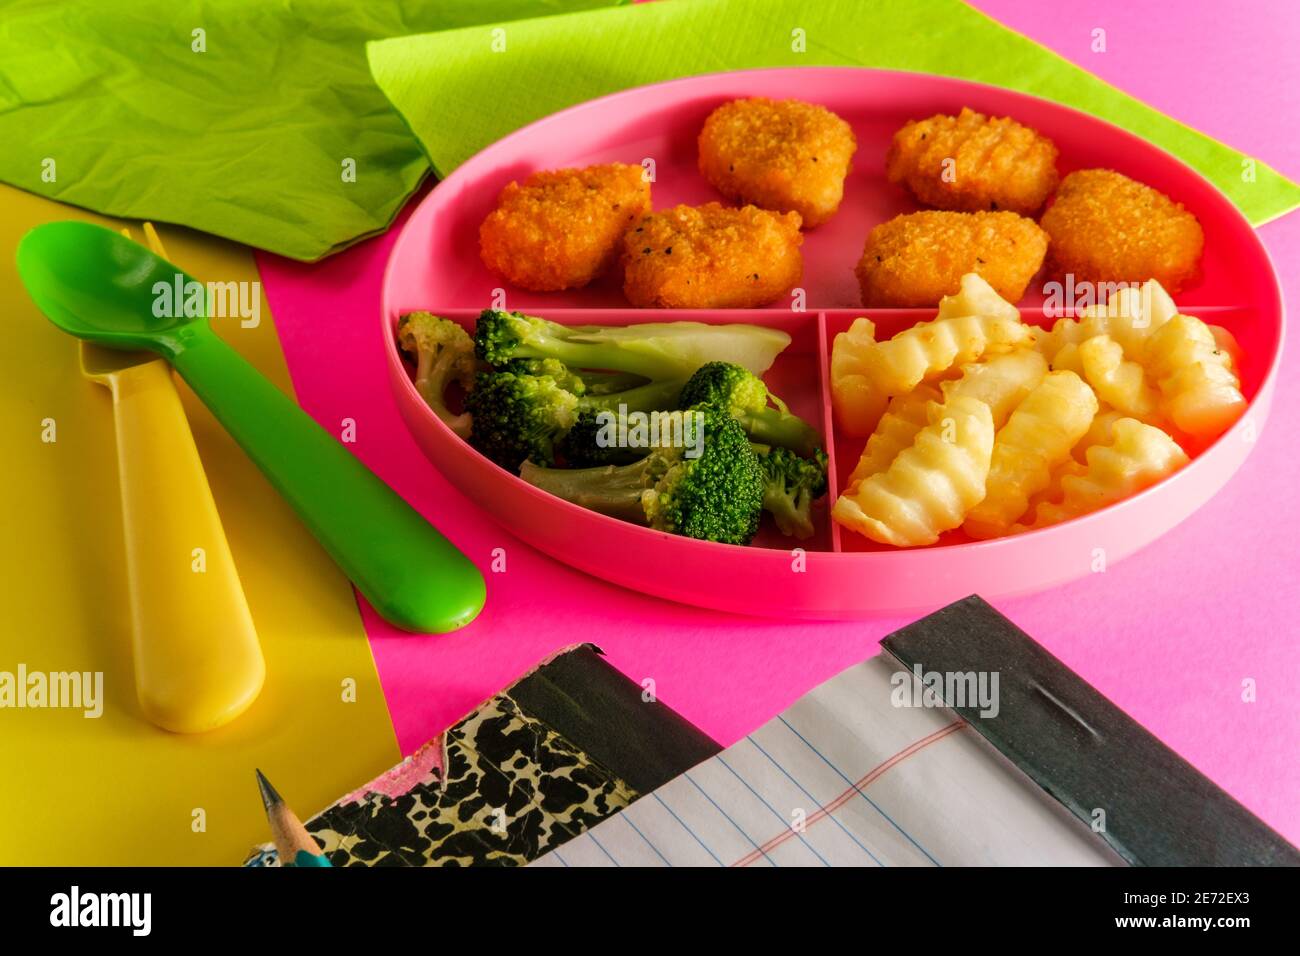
(976, 297)
(1098, 433)
(1118, 382)
(1138, 456)
(898, 365)
(1037, 437)
(1053, 491)
(896, 430)
(1200, 393)
(1001, 381)
(929, 487)
(857, 404)
(1068, 359)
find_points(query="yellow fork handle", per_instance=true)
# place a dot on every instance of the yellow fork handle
(198, 663)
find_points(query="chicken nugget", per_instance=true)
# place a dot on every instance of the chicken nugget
(974, 162)
(785, 155)
(711, 257)
(1105, 227)
(915, 260)
(561, 228)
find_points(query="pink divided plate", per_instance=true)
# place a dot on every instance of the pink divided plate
(435, 266)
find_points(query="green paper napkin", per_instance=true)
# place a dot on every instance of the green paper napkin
(237, 117)
(548, 64)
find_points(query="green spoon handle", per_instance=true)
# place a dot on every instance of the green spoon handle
(413, 576)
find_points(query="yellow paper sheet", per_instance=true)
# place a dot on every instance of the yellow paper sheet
(116, 790)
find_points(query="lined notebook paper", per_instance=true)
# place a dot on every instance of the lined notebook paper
(846, 778)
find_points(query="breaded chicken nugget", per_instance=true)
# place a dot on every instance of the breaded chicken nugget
(1105, 227)
(974, 162)
(711, 257)
(561, 228)
(785, 155)
(915, 260)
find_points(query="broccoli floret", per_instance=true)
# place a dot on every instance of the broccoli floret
(654, 350)
(517, 417)
(578, 381)
(716, 496)
(594, 438)
(444, 353)
(791, 485)
(602, 419)
(565, 378)
(744, 394)
(587, 444)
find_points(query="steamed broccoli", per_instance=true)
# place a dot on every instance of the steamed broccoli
(579, 381)
(791, 485)
(444, 353)
(564, 377)
(517, 417)
(601, 419)
(654, 350)
(744, 394)
(587, 445)
(717, 496)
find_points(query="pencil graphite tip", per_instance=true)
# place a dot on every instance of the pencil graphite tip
(269, 797)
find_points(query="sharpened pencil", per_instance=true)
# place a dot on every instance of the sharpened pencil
(295, 845)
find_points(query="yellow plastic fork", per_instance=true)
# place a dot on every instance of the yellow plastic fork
(198, 663)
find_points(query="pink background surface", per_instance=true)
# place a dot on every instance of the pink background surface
(1169, 634)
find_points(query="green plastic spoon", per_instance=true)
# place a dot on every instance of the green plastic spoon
(98, 285)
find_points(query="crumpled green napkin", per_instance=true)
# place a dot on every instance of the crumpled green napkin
(237, 117)
(548, 64)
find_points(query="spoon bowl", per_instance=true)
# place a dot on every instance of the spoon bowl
(100, 286)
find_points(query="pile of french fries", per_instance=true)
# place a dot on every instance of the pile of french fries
(976, 420)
